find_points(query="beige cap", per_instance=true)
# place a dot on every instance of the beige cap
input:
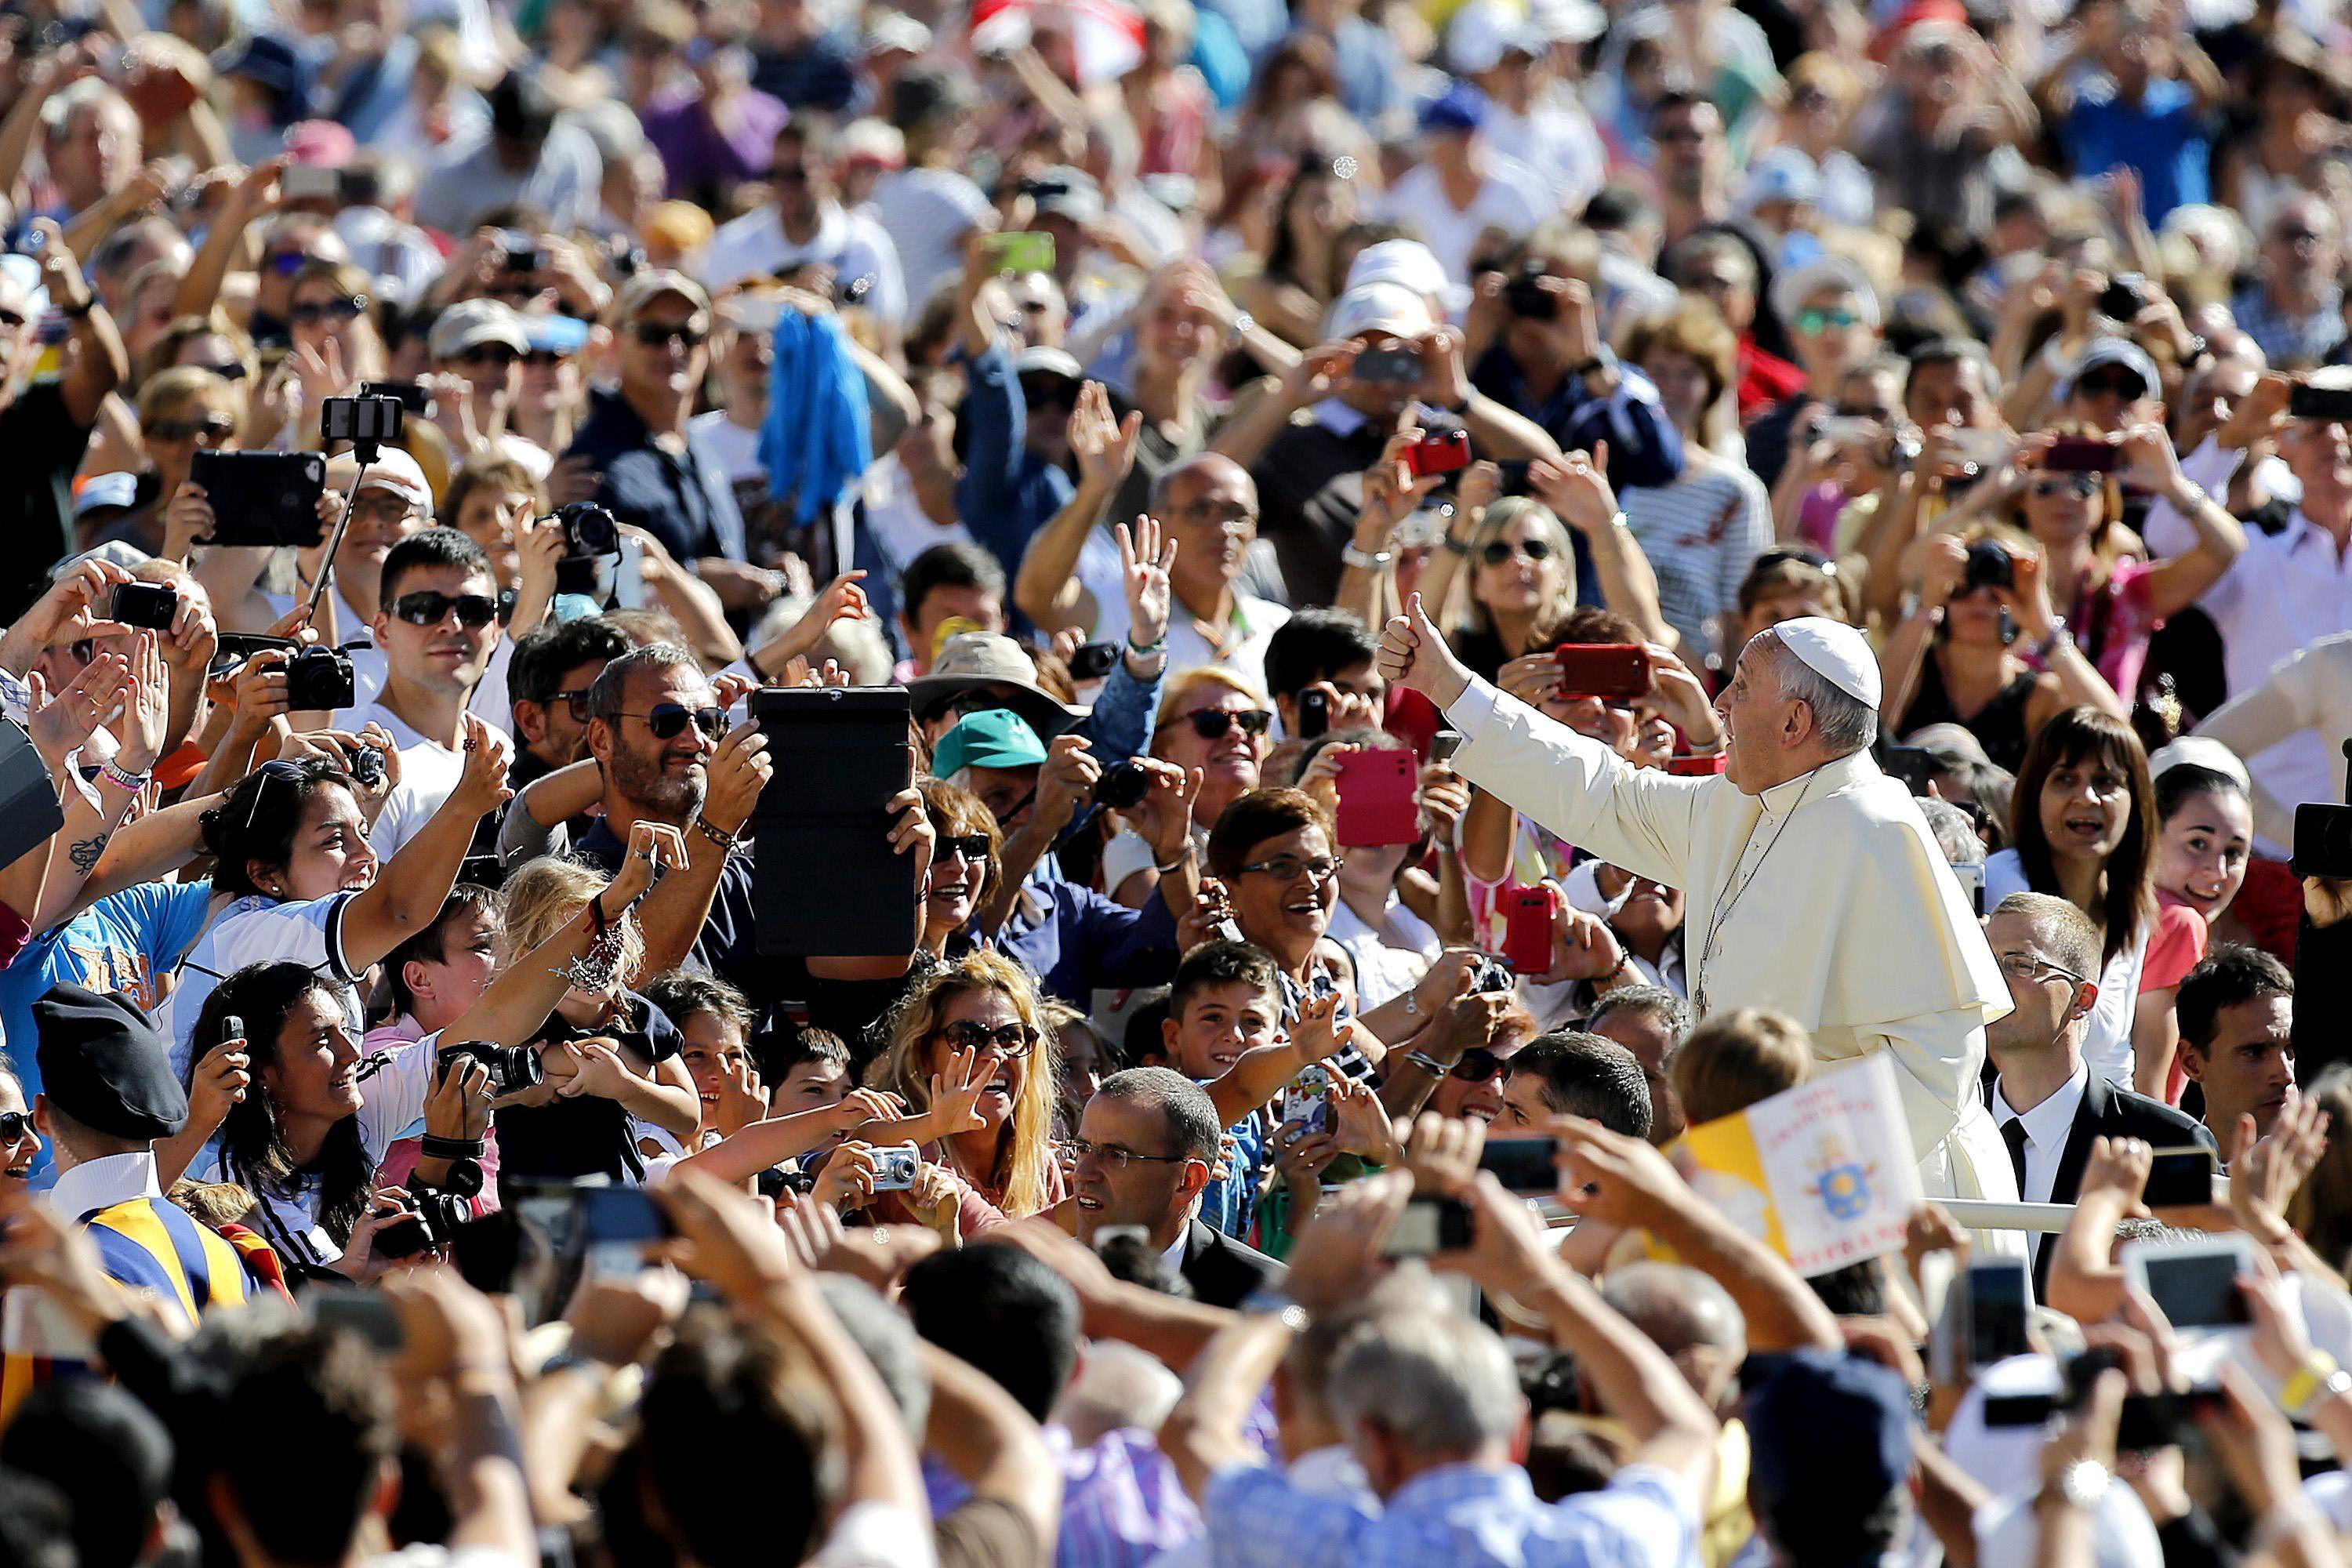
(651, 284)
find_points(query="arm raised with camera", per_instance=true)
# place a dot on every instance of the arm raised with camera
(410, 889)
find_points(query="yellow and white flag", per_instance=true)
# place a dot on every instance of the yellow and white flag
(1822, 1172)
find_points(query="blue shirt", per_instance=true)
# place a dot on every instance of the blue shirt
(678, 492)
(1083, 942)
(2164, 138)
(124, 942)
(1007, 492)
(1463, 1516)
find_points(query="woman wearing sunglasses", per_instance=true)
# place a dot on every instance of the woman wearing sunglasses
(985, 1003)
(1210, 720)
(181, 412)
(963, 863)
(295, 878)
(20, 1144)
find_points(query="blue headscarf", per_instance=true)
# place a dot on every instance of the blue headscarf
(817, 440)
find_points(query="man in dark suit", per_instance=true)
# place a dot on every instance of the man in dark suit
(1146, 1143)
(2047, 1102)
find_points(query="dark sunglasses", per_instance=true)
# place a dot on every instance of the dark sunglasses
(278, 770)
(655, 335)
(498, 354)
(1478, 1064)
(1500, 551)
(2124, 385)
(575, 703)
(1005, 1039)
(668, 720)
(1215, 723)
(2084, 485)
(233, 371)
(189, 429)
(972, 847)
(427, 608)
(347, 308)
(1049, 392)
(14, 1125)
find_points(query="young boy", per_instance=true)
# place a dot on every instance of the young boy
(1226, 1000)
(716, 1020)
(808, 1067)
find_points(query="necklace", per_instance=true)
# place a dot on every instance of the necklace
(1723, 910)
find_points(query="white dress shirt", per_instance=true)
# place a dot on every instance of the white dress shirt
(2288, 589)
(2047, 1126)
(101, 1183)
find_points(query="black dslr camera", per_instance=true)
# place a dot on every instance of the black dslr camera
(319, 680)
(1123, 785)
(1989, 566)
(589, 530)
(511, 1067)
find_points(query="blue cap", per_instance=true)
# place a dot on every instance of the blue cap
(991, 738)
(555, 334)
(1827, 1434)
(1458, 110)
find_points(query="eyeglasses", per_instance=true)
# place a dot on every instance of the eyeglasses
(973, 848)
(2024, 966)
(14, 1125)
(1287, 868)
(1116, 1157)
(497, 354)
(347, 308)
(278, 770)
(1005, 1039)
(668, 720)
(428, 608)
(170, 430)
(1216, 723)
(1477, 1064)
(2124, 385)
(656, 335)
(383, 507)
(575, 703)
(1227, 514)
(1049, 392)
(233, 371)
(2084, 485)
(1814, 322)
(1500, 551)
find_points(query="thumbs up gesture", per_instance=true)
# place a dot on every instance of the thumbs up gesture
(1413, 653)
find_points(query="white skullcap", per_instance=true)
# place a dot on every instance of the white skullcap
(2199, 750)
(1835, 652)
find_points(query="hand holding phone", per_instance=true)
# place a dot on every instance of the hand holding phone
(1375, 800)
(1528, 919)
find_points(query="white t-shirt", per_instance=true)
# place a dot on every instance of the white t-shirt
(2108, 1046)
(1242, 651)
(257, 930)
(852, 243)
(927, 213)
(878, 1535)
(735, 449)
(429, 772)
(1513, 199)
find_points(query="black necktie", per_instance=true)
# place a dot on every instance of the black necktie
(2012, 1132)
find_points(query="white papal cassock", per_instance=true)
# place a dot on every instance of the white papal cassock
(1824, 898)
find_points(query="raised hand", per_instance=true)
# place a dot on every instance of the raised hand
(1413, 655)
(60, 724)
(220, 1080)
(146, 707)
(654, 848)
(482, 786)
(1064, 782)
(1578, 490)
(956, 1091)
(1103, 444)
(1146, 555)
(867, 1108)
(734, 776)
(847, 1180)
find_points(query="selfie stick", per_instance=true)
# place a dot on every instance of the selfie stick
(366, 453)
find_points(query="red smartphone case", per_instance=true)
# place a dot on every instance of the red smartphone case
(1526, 928)
(1603, 669)
(1376, 803)
(1441, 454)
(1698, 767)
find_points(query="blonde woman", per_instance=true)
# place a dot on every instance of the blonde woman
(615, 1074)
(985, 1003)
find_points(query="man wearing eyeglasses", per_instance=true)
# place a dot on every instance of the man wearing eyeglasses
(437, 623)
(2047, 1102)
(477, 348)
(657, 474)
(548, 679)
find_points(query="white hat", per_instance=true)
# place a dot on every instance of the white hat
(1409, 264)
(1380, 308)
(393, 469)
(1482, 30)
(1794, 286)
(2199, 750)
(1835, 652)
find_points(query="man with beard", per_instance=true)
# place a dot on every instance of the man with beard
(667, 754)
(547, 682)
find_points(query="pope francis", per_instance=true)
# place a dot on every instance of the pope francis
(1813, 886)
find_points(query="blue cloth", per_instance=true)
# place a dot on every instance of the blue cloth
(1228, 1202)
(1120, 724)
(1007, 492)
(1084, 941)
(125, 942)
(1371, 73)
(1218, 56)
(821, 74)
(2164, 138)
(817, 441)
(682, 498)
(1258, 25)
(1464, 1516)
(376, 90)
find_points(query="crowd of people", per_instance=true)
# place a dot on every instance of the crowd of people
(1019, 766)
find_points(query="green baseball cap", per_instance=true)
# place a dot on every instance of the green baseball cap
(992, 738)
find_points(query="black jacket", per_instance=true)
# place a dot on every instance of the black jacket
(2107, 1112)
(1222, 1271)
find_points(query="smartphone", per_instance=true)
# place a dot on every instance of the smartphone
(232, 1028)
(310, 183)
(620, 1214)
(361, 419)
(518, 251)
(1603, 669)
(1443, 745)
(2195, 1283)
(841, 755)
(2083, 455)
(1698, 767)
(2309, 402)
(2180, 1178)
(1430, 1225)
(1375, 800)
(1019, 252)
(411, 395)
(1846, 431)
(1313, 714)
(1527, 297)
(149, 604)
(1915, 766)
(1443, 453)
(1971, 874)
(370, 1314)
(1998, 1297)
(1307, 1100)
(1522, 1164)
(1982, 448)
(1392, 367)
(1526, 928)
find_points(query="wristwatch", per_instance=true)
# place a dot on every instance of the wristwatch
(1265, 1302)
(1365, 559)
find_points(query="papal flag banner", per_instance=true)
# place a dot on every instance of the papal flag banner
(1822, 1172)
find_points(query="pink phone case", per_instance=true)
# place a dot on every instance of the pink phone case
(1526, 928)
(1376, 803)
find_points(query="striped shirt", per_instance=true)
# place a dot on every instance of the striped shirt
(1701, 533)
(258, 930)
